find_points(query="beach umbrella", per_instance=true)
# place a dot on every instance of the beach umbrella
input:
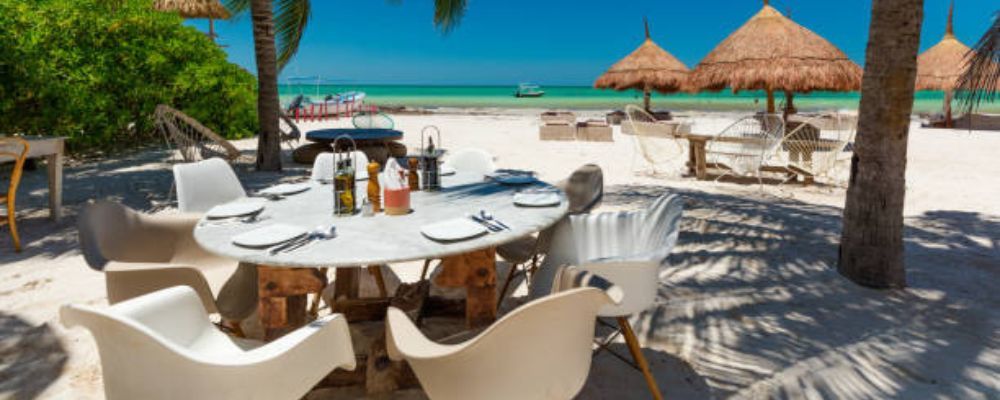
(939, 67)
(771, 52)
(211, 9)
(647, 68)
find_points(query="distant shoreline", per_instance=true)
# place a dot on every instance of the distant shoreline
(587, 98)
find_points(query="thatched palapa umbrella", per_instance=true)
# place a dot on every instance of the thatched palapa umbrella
(773, 53)
(211, 9)
(939, 67)
(647, 68)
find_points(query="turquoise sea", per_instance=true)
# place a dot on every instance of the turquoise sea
(582, 97)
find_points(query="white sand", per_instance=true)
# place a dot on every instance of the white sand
(751, 305)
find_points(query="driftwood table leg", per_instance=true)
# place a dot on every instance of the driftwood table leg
(477, 273)
(282, 293)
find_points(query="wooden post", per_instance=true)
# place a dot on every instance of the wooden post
(476, 271)
(770, 101)
(947, 109)
(646, 98)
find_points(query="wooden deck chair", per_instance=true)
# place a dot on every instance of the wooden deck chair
(15, 149)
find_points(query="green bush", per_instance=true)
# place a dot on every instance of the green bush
(94, 70)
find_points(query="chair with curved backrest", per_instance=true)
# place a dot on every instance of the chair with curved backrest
(812, 151)
(205, 184)
(541, 350)
(323, 166)
(654, 141)
(16, 149)
(193, 140)
(163, 346)
(584, 189)
(470, 161)
(372, 120)
(141, 253)
(626, 248)
(742, 147)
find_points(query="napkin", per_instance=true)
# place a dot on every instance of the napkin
(395, 176)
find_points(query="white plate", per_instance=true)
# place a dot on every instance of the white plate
(269, 235)
(236, 209)
(537, 199)
(453, 229)
(286, 188)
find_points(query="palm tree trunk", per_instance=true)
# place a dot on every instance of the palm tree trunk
(871, 243)
(268, 142)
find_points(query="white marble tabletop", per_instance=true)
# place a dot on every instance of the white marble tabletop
(382, 238)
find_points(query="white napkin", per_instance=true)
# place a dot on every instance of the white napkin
(395, 176)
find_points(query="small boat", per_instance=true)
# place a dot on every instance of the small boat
(529, 90)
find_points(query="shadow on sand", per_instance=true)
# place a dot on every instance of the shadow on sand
(32, 357)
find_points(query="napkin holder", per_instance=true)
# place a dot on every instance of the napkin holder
(396, 201)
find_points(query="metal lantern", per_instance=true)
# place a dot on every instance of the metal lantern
(344, 185)
(430, 159)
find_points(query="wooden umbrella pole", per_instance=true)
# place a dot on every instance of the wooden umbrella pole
(789, 105)
(211, 29)
(770, 101)
(947, 108)
(646, 97)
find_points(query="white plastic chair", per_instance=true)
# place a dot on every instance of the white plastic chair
(323, 166)
(742, 147)
(541, 350)
(470, 161)
(655, 142)
(626, 248)
(163, 346)
(140, 253)
(205, 184)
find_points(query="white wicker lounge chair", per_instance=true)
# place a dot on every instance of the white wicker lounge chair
(742, 147)
(810, 151)
(205, 184)
(626, 248)
(141, 253)
(541, 350)
(163, 346)
(655, 142)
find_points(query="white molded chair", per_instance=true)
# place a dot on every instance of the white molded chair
(163, 346)
(742, 147)
(323, 166)
(141, 253)
(654, 141)
(470, 161)
(542, 350)
(626, 248)
(205, 184)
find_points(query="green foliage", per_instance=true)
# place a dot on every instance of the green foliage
(94, 71)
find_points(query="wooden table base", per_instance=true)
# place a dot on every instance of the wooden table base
(477, 273)
(282, 297)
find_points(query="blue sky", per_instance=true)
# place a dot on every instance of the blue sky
(553, 42)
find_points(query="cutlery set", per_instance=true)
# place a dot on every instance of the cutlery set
(320, 233)
(486, 219)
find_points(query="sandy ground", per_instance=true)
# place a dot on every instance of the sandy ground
(750, 307)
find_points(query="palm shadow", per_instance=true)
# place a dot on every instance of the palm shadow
(33, 357)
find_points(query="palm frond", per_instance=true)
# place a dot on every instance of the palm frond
(290, 20)
(448, 14)
(236, 7)
(981, 80)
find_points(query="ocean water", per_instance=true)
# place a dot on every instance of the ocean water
(582, 97)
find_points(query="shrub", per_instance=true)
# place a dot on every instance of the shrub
(94, 70)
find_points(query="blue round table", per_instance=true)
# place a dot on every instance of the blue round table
(374, 134)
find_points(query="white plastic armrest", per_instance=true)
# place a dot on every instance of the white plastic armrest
(126, 280)
(404, 340)
(309, 345)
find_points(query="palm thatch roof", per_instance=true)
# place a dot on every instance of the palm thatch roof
(193, 8)
(939, 67)
(774, 53)
(649, 67)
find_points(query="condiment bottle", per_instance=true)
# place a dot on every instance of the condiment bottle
(414, 177)
(374, 191)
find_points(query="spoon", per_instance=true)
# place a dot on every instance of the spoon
(489, 218)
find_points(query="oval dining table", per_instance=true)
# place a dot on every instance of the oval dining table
(383, 239)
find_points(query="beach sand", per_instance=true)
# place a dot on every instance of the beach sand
(751, 305)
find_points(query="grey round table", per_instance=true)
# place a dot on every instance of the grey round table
(383, 239)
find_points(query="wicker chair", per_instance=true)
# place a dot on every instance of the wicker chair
(193, 140)
(372, 120)
(16, 149)
(742, 147)
(810, 151)
(654, 141)
(290, 133)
